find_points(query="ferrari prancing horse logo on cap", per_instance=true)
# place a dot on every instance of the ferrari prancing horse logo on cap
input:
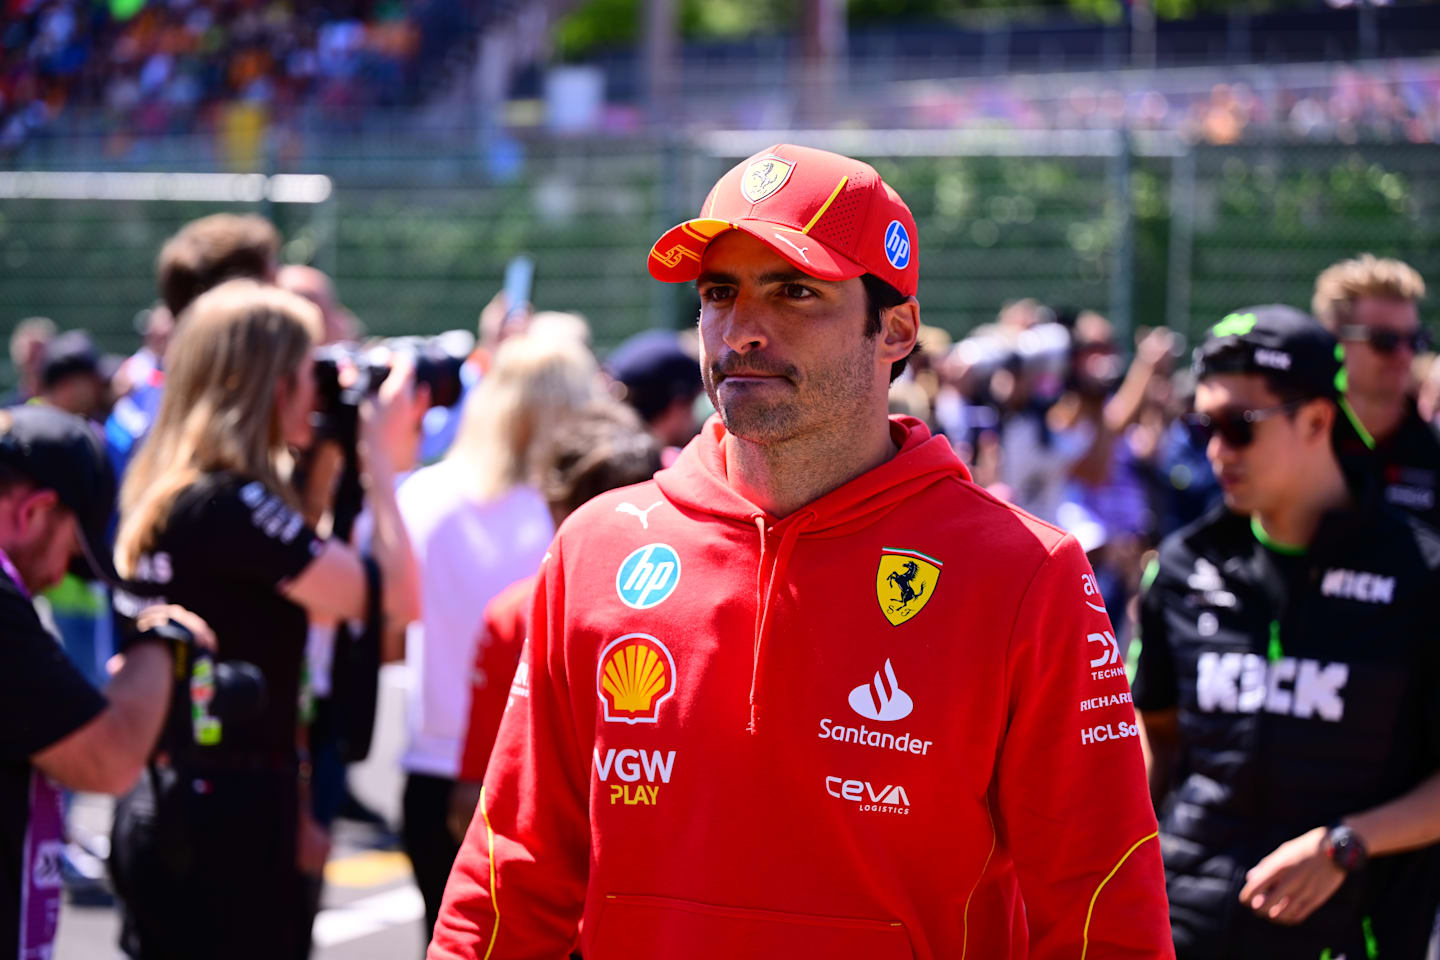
(764, 176)
(905, 582)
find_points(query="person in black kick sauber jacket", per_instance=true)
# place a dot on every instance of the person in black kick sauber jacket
(1287, 674)
(1372, 306)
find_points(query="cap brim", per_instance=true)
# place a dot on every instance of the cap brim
(675, 258)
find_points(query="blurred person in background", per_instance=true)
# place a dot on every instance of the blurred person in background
(1107, 489)
(207, 850)
(203, 254)
(56, 728)
(154, 325)
(661, 382)
(1286, 676)
(478, 523)
(1036, 451)
(314, 285)
(1372, 306)
(70, 378)
(79, 606)
(1170, 456)
(499, 320)
(27, 357)
(600, 448)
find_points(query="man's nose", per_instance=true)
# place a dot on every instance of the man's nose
(746, 327)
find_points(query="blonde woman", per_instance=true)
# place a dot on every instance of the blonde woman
(205, 848)
(477, 525)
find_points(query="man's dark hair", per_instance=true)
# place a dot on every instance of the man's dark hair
(596, 449)
(209, 251)
(879, 297)
(11, 476)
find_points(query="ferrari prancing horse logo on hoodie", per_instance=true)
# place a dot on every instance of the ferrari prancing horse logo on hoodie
(905, 582)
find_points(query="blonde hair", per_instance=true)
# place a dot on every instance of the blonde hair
(235, 344)
(1339, 286)
(534, 383)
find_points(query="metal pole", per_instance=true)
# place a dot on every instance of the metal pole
(1182, 241)
(1122, 268)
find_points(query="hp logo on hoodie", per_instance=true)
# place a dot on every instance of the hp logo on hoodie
(648, 576)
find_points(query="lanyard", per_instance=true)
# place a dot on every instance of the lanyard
(10, 571)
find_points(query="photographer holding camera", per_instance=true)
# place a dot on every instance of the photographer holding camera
(56, 730)
(205, 848)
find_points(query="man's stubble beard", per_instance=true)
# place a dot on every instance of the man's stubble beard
(836, 392)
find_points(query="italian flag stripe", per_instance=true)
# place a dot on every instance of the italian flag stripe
(912, 553)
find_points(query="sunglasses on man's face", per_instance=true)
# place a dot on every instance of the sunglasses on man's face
(1235, 427)
(1385, 341)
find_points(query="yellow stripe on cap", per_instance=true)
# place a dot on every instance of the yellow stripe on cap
(826, 205)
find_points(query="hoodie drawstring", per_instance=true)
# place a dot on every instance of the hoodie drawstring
(763, 598)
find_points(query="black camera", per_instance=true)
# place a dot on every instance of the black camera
(208, 697)
(438, 361)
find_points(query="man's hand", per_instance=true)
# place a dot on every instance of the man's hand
(152, 617)
(1291, 883)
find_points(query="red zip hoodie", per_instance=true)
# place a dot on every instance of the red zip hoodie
(893, 724)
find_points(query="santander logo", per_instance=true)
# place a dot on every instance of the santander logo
(878, 701)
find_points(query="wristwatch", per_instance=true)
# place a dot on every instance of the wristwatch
(1345, 848)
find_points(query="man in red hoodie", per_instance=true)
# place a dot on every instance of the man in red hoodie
(811, 691)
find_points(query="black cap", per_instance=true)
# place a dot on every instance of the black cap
(62, 452)
(70, 353)
(654, 370)
(1287, 345)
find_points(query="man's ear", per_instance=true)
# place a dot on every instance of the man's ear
(899, 330)
(1319, 420)
(33, 506)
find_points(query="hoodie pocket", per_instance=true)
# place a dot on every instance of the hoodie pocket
(633, 927)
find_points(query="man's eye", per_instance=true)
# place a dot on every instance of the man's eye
(716, 294)
(796, 292)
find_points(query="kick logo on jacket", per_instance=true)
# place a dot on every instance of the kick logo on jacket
(635, 676)
(905, 582)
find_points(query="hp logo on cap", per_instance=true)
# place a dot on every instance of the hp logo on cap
(897, 245)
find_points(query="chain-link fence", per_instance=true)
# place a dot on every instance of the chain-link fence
(1148, 230)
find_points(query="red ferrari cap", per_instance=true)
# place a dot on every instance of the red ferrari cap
(830, 216)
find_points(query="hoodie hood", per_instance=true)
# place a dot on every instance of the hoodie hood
(697, 484)
(697, 481)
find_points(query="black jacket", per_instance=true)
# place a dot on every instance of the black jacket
(1405, 466)
(1308, 688)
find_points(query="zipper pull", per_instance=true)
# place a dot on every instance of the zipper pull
(1276, 651)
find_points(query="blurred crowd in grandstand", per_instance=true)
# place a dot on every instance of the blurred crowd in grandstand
(1399, 100)
(181, 66)
(247, 71)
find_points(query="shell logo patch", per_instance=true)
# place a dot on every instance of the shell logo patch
(636, 675)
(764, 177)
(905, 582)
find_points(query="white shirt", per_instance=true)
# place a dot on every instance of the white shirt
(467, 553)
